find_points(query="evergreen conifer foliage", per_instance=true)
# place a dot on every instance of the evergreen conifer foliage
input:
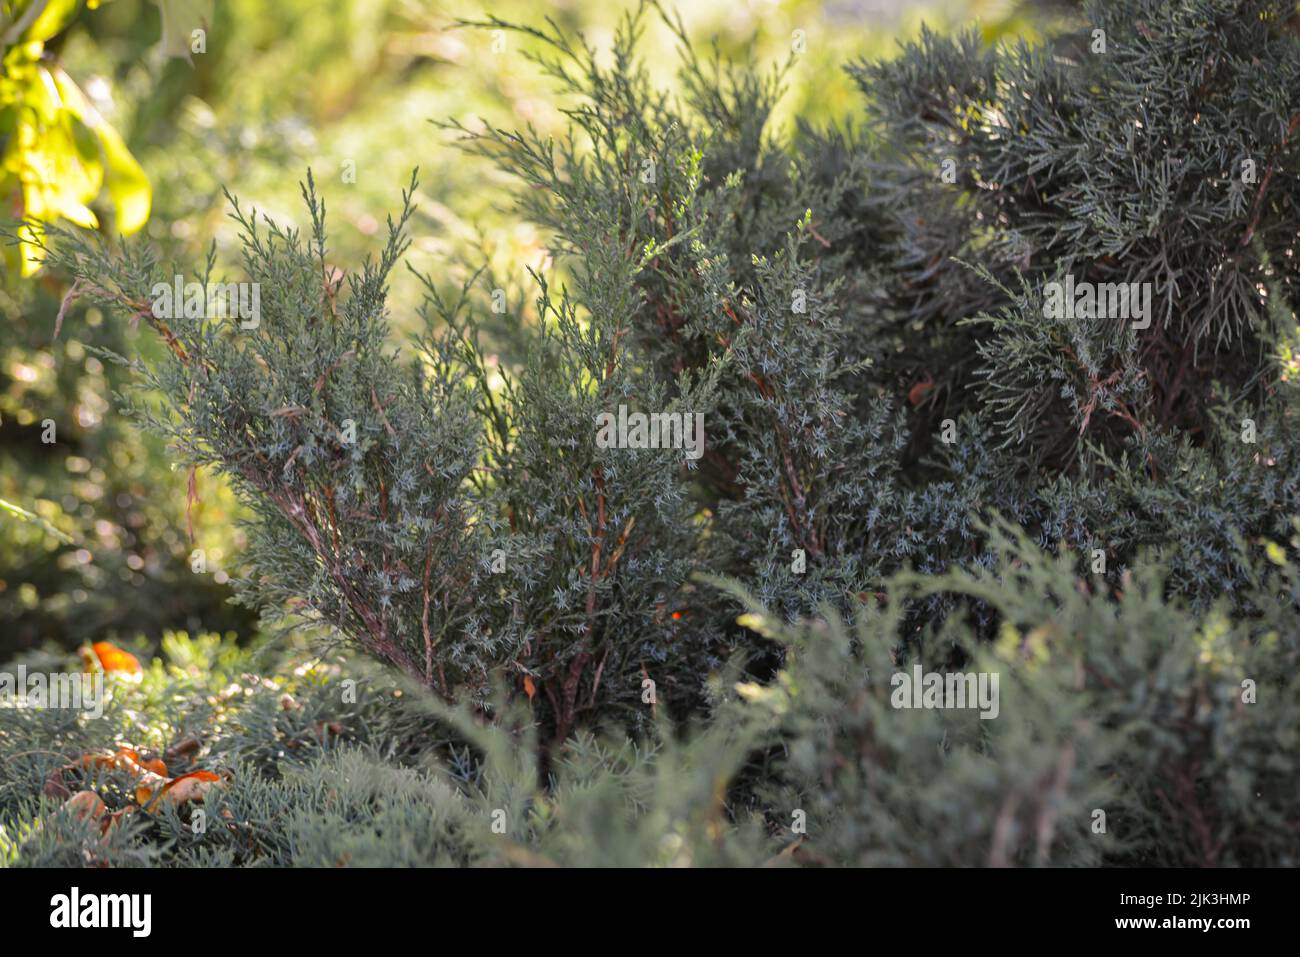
(1155, 147)
(353, 459)
(919, 380)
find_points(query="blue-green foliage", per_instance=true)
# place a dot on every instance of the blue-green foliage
(897, 435)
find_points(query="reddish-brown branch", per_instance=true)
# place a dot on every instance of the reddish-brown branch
(1258, 208)
(324, 376)
(296, 511)
(794, 506)
(569, 692)
(424, 618)
(382, 415)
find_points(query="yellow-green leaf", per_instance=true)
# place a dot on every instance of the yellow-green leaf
(51, 17)
(128, 186)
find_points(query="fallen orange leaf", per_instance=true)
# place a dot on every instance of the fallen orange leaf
(127, 760)
(86, 805)
(115, 760)
(148, 786)
(113, 658)
(116, 818)
(190, 787)
(156, 766)
(148, 780)
(325, 728)
(916, 395)
(151, 778)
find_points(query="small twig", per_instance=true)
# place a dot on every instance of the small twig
(595, 685)
(1268, 176)
(191, 496)
(380, 409)
(818, 236)
(424, 617)
(324, 376)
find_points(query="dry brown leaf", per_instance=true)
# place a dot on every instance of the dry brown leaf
(116, 818)
(125, 759)
(55, 786)
(148, 782)
(333, 727)
(86, 805)
(190, 787)
(156, 766)
(151, 782)
(147, 786)
(185, 746)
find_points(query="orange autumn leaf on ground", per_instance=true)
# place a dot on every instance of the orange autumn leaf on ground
(190, 787)
(116, 818)
(85, 805)
(113, 658)
(88, 806)
(148, 786)
(124, 759)
(127, 760)
(156, 766)
(151, 779)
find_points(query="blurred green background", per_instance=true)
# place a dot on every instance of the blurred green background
(103, 551)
